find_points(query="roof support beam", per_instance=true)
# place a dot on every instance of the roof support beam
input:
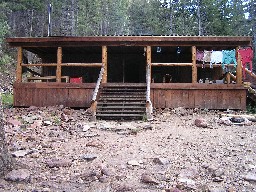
(105, 64)
(59, 61)
(194, 67)
(239, 70)
(19, 67)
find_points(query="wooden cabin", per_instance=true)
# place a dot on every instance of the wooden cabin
(128, 75)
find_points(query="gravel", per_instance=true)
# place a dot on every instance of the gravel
(171, 153)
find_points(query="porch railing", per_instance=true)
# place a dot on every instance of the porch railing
(149, 108)
(95, 93)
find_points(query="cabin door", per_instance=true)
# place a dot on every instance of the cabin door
(126, 65)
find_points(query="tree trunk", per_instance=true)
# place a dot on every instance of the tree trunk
(6, 161)
(199, 18)
(171, 18)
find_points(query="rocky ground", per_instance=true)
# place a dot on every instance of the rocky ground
(7, 73)
(59, 149)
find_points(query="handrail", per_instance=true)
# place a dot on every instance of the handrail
(149, 108)
(250, 73)
(95, 92)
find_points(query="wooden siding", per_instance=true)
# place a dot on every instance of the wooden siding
(209, 96)
(50, 94)
(163, 95)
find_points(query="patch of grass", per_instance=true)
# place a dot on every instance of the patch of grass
(251, 109)
(7, 100)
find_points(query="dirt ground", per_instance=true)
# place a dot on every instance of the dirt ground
(59, 149)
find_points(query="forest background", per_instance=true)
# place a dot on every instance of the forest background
(29, 18)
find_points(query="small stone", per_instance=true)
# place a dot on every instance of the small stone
(14, 122)
(201, 123)
(47, 123)
(108, 171)
(172, 190)
(95, 143)
(225, 121)
(64, 117)
(21, 153)
(124, 188)
(133, 163)
(189, 173)
(89, 157)
(218, 179)
(18, 175)
(218, 173)
(59, 163)
(104, 179)
(161, 161)
(250, 177)
(217, 190)
(86, 128)
(147, 178)
(148, 127)
(187, 183)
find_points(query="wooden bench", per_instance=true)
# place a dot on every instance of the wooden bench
(47, 78)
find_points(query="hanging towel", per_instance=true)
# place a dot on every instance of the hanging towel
(199, 55)
(207, 56)
(246, 57)
(229, 57)
(216, 57)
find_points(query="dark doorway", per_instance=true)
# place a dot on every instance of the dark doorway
(126, 64)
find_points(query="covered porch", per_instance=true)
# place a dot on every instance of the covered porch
(73, 70)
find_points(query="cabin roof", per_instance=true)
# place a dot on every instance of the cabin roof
(130, 41)
(41, 45)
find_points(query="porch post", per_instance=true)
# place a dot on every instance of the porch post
(149, 107)
(19, 67)
(239, 70)
(194, 68)
(149, 62)
(105, 64)
(59, 61)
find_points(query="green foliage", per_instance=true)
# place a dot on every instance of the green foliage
(7, 100)
(5, 59)
(250, 108)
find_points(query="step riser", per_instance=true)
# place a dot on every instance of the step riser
(122, 102)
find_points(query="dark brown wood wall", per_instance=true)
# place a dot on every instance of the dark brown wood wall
(50, 94)
(209, 96)
(163, 95)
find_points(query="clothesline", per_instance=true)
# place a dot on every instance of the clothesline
(225, 57)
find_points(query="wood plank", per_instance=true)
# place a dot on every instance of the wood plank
(82, 64)
(202, 41)
(194, 67)
(19, 67)
(195, 86)
(214, 65)
(51, 85)
(59, 61)
(239, 70)
(105, 64)
(39, 65)
(171, 64)
(66, 78)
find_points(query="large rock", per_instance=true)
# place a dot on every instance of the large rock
(148, 178)
(250, 177)
(18, 175)
(201, 123)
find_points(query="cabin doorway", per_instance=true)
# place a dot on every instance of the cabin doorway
(126, 64)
